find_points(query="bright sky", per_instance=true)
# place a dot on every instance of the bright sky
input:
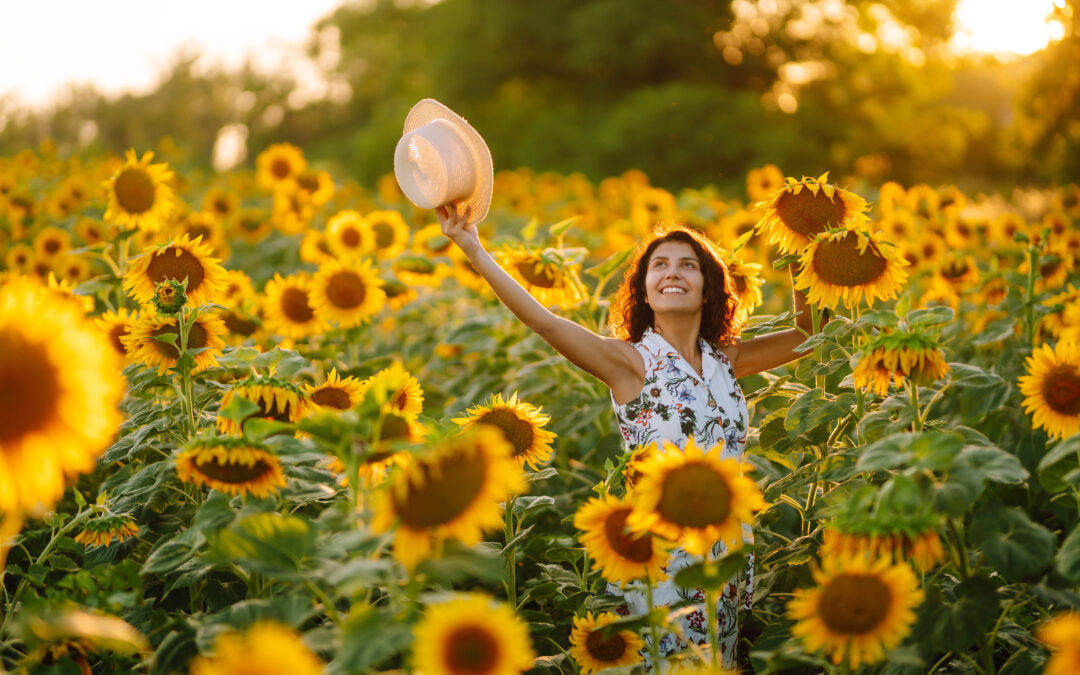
(126, 44)
(1005, 26)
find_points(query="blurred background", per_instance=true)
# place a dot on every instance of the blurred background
(984, 94)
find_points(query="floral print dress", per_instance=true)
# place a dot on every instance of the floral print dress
(677, 402)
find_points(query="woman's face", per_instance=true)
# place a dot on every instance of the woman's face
(673, 280)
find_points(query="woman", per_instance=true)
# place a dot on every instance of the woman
(672, 370)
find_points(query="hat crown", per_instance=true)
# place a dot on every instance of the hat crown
(434, 165)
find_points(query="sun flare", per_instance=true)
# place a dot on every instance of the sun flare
(1005, 27)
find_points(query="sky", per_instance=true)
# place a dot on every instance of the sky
(123, 45)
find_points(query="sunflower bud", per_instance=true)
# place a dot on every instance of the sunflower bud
(170, 296)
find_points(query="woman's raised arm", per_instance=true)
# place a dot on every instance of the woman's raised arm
(612, 361)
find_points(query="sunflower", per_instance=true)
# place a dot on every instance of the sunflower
(619, 554)
(891, 357)
(389, 233)
(293, 211)
(651, 205)
(288, 309)
(181, 258)
(395, 390)
(429, 240)
(58, 405)
(139, 194)
(595, 652)
(1004, 226)
(277, 400)
(207, 228)
(748, 282)
(19, 258)
(347, 293)
(850, 265)
(266, 648)
(1062, 633)
(235, 466)
(454, 491)
(922, 200)
(336, 393)
(143, 346)
(471, 635)
(957, 273)
(858, 609)
(520, 422)
(347, 236)
(693, 497)
(73, 268)
(898, 226)
(64, 290)
(419, 270)
(317, 186)
(545, 276)
(252, 224)
(1055, 321)
(101, 531)
(764, 182)
(923, 549)
(1052, 388)
(314, 249)
(277, 167)
(222, 204)
(115, 325)
(801, 209)
(51, 242)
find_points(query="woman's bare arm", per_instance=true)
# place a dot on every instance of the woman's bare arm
(766, 352)
(612, 361)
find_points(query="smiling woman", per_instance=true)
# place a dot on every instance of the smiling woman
(1005, 27)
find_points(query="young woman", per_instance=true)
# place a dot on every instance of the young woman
(676, 348)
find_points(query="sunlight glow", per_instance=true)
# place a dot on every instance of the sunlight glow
(1005, 27)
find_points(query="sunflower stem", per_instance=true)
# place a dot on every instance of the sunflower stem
(815, 319)
(511, 581)
(961, 551)
(654, 637)
(710, 616)
(187, 395)
(1029, 295)
(913, 394)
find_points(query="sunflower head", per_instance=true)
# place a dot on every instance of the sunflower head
(694, 497)
(859, 608)
(235, 466)
(180, 259)
(288, 307)
(103, 530)
(347, 293)
(336, 393)
(1051, 388)
(595, 651)
(266, 648)
(548, 276)
(278, 166)
(802, 209)
(394, 390)
(471, 635)
(278, 400)
(143, 345)
(896, 355)
(170, 296)
(453, 491)
(139, 194)
(850, 266)
(1062, 633)
(520, 422)
(618, 553)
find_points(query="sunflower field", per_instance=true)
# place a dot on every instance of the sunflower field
(272, 421)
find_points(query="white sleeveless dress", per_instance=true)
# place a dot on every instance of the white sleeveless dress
(674, 404)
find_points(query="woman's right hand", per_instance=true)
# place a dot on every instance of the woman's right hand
(454, 226)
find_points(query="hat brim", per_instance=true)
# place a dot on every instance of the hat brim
(478, 203)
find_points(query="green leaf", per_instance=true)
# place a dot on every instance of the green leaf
(928, 449)
(1018, 548)
(171, 553)
(560, 228)
(956, 620)
(238, 409)
(711, 576)
(613, 263)
(930, 316)
(877, 318)
(996, 331)
(810, 411)
(370, 638)
(1061, 461)
(459, 564)
(265, 542)
(785, 260)
(1067, 562)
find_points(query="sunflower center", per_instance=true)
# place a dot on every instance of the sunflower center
(196, 340)
(115, 333)
(222, 206)
(29, 388)
(166, 264)
(308, 182)
(295, 306)
(237, 324)
(350, 236)
(808, 213)
(280, 168)
(393, 427)
(331, 397)
(855, 603)
(52, 246)
(518, 431)
(633, 548)
(134, 190)
(346, 290)
(384, 234)
(954, 269)
(1061, 390)
(694, 496)
(605, 648)
(471, 649)
(203, 231)
(443, 494)
(740, 283)
(1049, 268)
(840, 263)
(237, 473)
(269, 408)
(545, 278)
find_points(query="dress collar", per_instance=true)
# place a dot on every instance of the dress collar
(661, 348)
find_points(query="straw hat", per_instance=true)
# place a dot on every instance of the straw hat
(441, 159)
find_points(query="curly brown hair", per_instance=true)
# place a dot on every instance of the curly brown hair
(630, 315)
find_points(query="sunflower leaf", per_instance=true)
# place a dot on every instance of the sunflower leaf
(1011, 542)
(931, 316)
(711, 576)
(1067, 562)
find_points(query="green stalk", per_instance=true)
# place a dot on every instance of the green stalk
(654, 642)
(183, 329)
(913, 394)
(961, 551)
(1029, 295)
(815, 318)
(511, 532)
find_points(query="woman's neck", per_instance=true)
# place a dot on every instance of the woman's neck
(682, 334)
